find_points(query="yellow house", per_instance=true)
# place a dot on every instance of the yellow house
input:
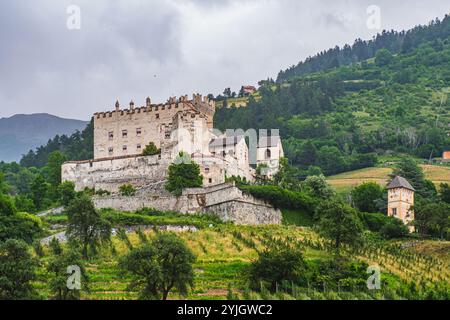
(401, 201)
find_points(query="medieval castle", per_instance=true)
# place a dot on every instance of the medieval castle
(179, 125)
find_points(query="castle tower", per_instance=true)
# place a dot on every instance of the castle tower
(401, 200)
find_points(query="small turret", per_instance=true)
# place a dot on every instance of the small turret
(117, 105)
(148, 102)
(131, 105)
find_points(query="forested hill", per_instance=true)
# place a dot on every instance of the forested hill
(395, 42)
(342, 119)
(20, 133)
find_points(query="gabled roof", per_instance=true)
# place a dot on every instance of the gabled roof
(400, 182)
(270, 141)
(228, 141)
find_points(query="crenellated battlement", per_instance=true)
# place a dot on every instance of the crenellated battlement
(125, 131)
(202, 104)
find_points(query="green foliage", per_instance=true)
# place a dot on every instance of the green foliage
(157, 218)
(394, 229)
(20, 226)
(55, 246)
(445, 192)
(318, 187)
(160, 266)
(338, 222)
(17, 271)
(39, 191)
(281, 198)
(183, 173)
(86, 225)
(58, 268)
(277, 264)
(67, 192)
(389, 42)
(127, 190)
(365, 196)
(79, 146)
(408, 169)
(151, 150)
(7, 207)
(433, 218)
(53, 167)
(383, 57)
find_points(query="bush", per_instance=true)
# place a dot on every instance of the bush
(67, 192)
(276, 265)
(20, 226)
(281, 198)
(151, 150)
(388, 227)
(364, 196)
(184, 173)
(394, 228)
(127, 190)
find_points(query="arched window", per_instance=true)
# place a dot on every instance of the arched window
(268, 154)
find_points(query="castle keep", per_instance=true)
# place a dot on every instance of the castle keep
(179, 125)
(401, 201)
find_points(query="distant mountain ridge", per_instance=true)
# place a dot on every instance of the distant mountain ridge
(21, 133)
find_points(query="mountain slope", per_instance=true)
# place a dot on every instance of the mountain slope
(341, 119)
(20, 133)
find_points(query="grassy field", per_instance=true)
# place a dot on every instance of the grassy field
(344, 182)
(224, 253)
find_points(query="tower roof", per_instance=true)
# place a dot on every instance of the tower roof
(400, 182)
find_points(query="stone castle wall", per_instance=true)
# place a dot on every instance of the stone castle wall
(127, 132)
(225, 201)
(110, 174)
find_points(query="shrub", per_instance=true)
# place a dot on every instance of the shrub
(281, 198)
(151, 150)
(394, 228)
(276, 265)
(127, 190)
(183, 173)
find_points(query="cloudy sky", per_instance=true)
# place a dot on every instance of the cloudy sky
(131, 49)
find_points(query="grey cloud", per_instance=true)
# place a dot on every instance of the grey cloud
(132, 48)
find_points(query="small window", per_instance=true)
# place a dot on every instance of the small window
(206, 170)
(210, 180)
(111, 135)
(394, 212)
(139, 147)
(167, 135)
(111, 151)
(124, 148)
(124, 133)
(268, 154)
(224, 153)
(157, 116)
(138, 132)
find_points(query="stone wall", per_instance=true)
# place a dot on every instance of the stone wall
(110, 174)
(224, 200)
(127, 131)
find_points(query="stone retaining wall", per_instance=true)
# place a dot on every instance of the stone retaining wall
(225, 200)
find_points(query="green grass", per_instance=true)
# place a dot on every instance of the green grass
(346, 181)
(296, 218)
(224, 253)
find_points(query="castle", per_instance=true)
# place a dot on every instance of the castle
(179, 125)
(401, 201)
